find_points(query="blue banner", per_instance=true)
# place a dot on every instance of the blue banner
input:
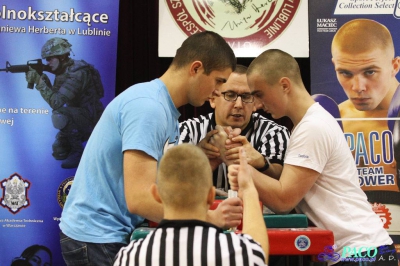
(43, 128)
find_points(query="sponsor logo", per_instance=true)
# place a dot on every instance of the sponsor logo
(15, 193)
(303, 156)
(329, 254)
(302, 243)
(358, 254)
(243, 23)
(63, 191)
(383, 213)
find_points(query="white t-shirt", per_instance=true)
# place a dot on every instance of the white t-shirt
(336, 201)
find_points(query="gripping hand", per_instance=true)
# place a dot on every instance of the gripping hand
(32, 77)
(219, 141)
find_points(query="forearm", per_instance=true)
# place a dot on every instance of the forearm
(53, 96)
(274, 170)
(54, 99)
(253, 221)
(272, 193)
(214, 163)
(264, 166)
(140, 172)
(145, 206)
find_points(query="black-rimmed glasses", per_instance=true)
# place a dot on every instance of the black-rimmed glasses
(232, 96)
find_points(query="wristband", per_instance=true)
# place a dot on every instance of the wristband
(265, 167)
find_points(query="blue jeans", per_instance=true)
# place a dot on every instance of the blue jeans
(91, 254)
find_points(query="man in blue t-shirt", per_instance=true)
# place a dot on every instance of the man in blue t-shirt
(111, 195)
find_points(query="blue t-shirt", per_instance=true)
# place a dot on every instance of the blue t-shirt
(144, 118)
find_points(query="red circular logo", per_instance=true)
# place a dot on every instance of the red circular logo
(383, 213)
(248, 23)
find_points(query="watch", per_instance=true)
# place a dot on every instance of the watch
(265, 167)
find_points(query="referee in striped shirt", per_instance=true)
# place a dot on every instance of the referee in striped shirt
(264, 140)
(184, 237)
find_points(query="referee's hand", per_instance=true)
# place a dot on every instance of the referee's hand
(240, 175)
(228, 214)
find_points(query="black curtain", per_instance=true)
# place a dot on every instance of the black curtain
(137, 57)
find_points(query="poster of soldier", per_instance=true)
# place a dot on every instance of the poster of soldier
(57, 74)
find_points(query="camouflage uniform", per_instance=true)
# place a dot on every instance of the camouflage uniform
(75, 100)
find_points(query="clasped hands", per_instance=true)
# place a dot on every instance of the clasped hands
(221, 138)
(233, 152)
(222, 145)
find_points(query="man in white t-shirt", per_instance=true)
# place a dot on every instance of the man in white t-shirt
(319, 176)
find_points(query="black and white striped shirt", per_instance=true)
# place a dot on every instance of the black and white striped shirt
(266, 136)
(191, 243)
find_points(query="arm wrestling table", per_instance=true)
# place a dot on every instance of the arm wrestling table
(289, 235)
(283, 241)
(298, 242)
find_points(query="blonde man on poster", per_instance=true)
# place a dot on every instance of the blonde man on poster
(364, 59)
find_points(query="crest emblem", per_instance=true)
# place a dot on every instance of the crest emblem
(15, 193)
(302, 242)
(63, 190)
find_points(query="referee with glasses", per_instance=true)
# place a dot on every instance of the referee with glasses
(184, 237)
(265, 141)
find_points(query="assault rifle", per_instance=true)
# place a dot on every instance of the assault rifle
(35, 64)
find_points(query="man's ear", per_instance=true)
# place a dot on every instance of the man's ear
(211, 196)
(396, 66)
(285, 83)
(63, 57)
(195, 67)
(256, 106)
(212, 102)
(154, 193)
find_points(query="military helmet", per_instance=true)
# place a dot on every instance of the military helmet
(56, 46)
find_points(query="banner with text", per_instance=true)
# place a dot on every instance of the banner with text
(250, 27)
(57, 74)
(354, 75)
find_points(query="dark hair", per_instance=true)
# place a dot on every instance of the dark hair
(240, 69)
(28, 253)
(19, 261)
(209, 48)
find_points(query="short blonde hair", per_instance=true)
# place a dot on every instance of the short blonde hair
(184, 177)
(362, 35)
(274, 64)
